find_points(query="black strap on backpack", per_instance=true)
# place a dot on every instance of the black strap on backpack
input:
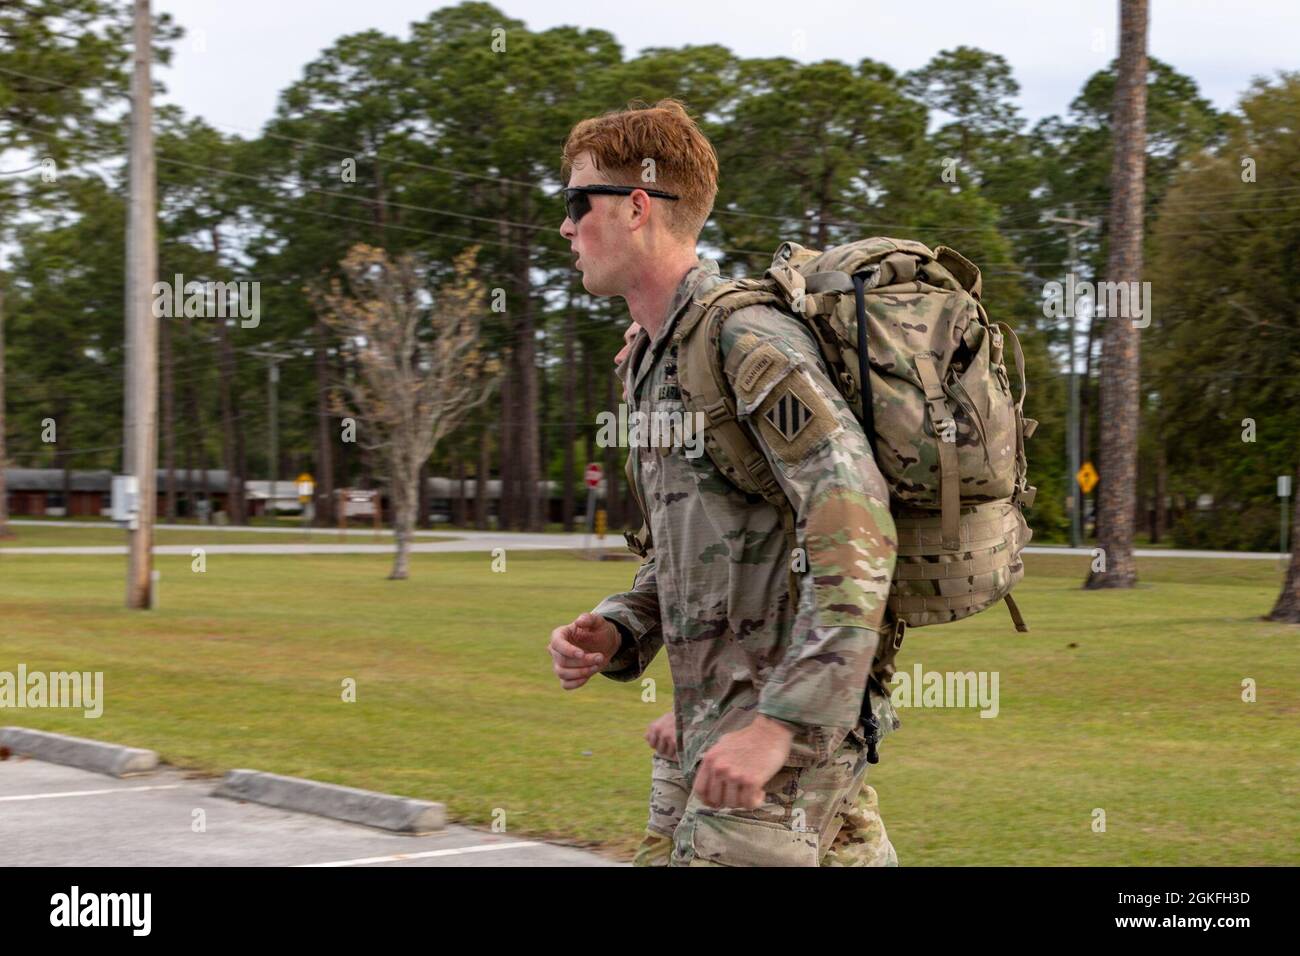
(864, 363)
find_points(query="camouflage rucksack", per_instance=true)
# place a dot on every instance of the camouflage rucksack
(948, 434)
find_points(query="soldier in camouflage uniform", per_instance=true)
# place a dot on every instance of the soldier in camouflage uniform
(669, 788)
(767, 696)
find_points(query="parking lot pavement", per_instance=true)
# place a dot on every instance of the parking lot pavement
(51, 815)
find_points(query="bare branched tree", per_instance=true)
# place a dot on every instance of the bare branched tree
(418, 369)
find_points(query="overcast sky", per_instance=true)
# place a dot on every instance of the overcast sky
(239, 54)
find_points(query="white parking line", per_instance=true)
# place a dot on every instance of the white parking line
(426, 854)
(88, 793)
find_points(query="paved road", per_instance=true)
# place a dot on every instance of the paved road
(463, 541)
(51, 815)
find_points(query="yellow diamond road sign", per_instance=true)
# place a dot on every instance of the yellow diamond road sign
(1087, 477)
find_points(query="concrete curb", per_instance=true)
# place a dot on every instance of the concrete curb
(383, 810)
(112, 759)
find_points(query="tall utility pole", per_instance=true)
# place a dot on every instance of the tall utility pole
(1072, 428)
(273, 360)
(140, 447)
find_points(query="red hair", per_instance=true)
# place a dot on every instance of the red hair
(684, 161)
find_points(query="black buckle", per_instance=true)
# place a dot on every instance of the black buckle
(871, 727)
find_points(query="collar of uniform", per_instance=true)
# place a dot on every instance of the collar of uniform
(702, 269)
(639, 360)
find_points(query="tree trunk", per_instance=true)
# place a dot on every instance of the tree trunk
(1287, 608)
(347, 451)
(61, 457)
(196, 436)
(168, 418)
(570, 412)
(525, 506)
(232, 444)
(1141, 514)
(189, 508)
(1120, 352)
(241, 450)
(481, 475)
(1161, 522)
(405, 474)
(530, 470)
(458, 515)
(201, 449)
(506, 462)
(324, 492)
(422, 497)
(543, 444)
(368, 479)
(229, 445)
(4, 461)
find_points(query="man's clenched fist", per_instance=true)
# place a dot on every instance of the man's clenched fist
(661, 735)
(581, 649)
(735, 770)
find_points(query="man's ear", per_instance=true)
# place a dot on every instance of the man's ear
(639, 210)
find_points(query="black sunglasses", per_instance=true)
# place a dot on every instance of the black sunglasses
(577, 202)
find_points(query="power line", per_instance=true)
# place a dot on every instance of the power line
(735, 212)
(19, 172)
(67, 86)
(365, 199)
(388, 159)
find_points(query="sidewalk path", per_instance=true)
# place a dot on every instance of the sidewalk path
(471, 541)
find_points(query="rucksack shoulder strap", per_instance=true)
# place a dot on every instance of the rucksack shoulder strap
(701, 375)
(704, 388)
(703, 381)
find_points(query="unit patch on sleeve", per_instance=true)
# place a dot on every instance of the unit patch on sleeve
(795, 418)
(789, 415)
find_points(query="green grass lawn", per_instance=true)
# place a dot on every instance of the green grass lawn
(1125, 701)
(54, 536)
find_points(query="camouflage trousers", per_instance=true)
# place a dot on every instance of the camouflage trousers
(810, 816)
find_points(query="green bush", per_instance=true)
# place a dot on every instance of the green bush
(1048, 517)
(1238, 526)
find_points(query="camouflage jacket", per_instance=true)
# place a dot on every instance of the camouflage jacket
(715, 587)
